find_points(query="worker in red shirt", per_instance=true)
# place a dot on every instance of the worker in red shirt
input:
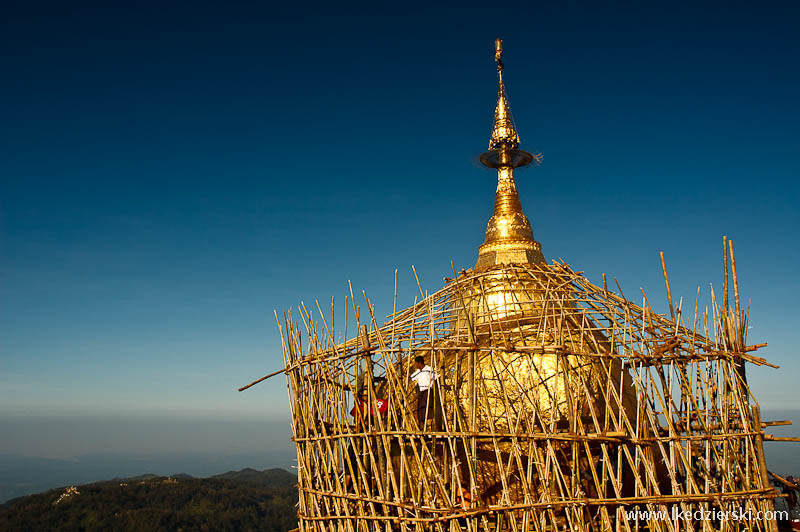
(361, 415)
(381, 407)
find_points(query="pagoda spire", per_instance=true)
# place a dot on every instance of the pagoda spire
(509, 236)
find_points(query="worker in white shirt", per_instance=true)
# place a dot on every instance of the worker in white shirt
(424, 377)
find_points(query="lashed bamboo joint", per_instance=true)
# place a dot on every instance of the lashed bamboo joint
(557, 404)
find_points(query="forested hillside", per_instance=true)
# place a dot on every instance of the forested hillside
(243, 500)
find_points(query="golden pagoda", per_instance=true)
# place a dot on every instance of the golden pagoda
(554, 404)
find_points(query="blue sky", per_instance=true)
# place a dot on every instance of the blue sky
(169, 175)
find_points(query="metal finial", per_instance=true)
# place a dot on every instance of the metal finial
(504, 141)
(498, 55)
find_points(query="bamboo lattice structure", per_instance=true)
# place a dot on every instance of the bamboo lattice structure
(557, 404)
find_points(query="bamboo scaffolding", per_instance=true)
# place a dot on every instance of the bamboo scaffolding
(558, 403)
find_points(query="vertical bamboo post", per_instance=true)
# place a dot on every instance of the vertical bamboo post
(666, 282)
(772, 525)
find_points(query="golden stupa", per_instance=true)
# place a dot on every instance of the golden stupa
(557, 404)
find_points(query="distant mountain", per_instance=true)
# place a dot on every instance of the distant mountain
(268, 478)
(238, 500)
(21, 475)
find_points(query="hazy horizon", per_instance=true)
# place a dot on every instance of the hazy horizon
(95, 448)
(43, 452)
(33, 436)
(60, 437)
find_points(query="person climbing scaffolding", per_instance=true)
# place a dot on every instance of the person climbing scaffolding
(425, 377)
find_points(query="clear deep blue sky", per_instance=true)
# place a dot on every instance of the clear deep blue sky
(170, 174)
